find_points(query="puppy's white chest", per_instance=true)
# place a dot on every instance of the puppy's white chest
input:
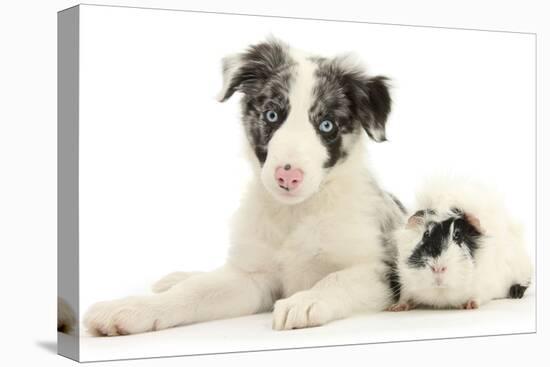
(310, 252)
(301, 268)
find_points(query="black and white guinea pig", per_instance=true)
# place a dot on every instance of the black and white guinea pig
(461, 249)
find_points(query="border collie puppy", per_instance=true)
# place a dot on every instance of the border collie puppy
(310, 238)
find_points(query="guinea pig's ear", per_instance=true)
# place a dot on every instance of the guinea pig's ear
(417, 219)
(369, 96)
(474, 222)
(249, 71)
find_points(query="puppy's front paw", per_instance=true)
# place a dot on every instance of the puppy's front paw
(130, 315)
(303, 309)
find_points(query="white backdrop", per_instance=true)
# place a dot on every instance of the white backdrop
(161, 169)
(28, 151)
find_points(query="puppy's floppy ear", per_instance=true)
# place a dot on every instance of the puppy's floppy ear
(373, 105)
(231, 66)
(248, 72)
(369, 96)
(379, 102)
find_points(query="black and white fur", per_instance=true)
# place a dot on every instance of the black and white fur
(313, 255)
(460, 249)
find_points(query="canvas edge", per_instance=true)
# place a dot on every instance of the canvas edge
(68, 42)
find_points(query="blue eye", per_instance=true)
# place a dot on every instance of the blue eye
(271, 116)
(326, 126)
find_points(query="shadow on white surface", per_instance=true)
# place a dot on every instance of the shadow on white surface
(253, 333)
(48, 345)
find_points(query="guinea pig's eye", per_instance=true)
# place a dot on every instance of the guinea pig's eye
(327, 126)
(457, 235)
(271, 116)
(426, 234)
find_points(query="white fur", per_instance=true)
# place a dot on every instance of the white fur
(312, 257)
(296, 142)
(500, 262)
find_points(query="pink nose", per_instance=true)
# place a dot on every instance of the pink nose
(438, 269)
(289, 178)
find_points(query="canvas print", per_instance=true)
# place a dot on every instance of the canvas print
(232, 183)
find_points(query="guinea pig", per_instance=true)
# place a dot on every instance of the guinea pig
(460, 249)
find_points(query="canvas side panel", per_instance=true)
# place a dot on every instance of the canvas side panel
(67, 182)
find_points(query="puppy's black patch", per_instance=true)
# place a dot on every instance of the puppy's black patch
(516, 291)
(256, 66)
(349, 99)
(393, 280)
(263, 74)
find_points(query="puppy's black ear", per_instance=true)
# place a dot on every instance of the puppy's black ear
(369, 96)
(373, 105)
(249, 71)
(231, 66)
(379, 106)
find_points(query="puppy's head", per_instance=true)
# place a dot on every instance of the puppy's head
(302, 114)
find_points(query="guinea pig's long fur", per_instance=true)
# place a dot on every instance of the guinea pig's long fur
(500, 266)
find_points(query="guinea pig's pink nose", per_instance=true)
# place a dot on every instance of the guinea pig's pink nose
(289, 178)
(438, 269)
